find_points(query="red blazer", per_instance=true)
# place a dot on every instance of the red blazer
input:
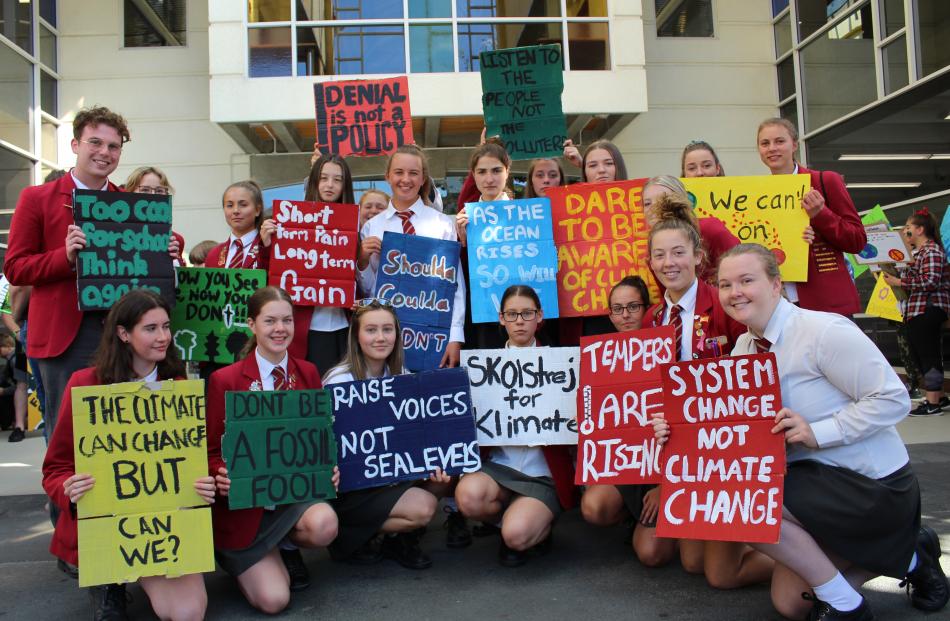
(257, 258)
(717, 239)
(181, 249)
(36, 256)
(838, 229)
(236, 529)
(562, 471)
(709, 321)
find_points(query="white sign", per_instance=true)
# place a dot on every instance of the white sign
(884, 247)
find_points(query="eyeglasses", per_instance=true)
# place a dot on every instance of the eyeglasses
(97, 144)
(511, 316)
(376, 301)
(144, 189)
(632, 307)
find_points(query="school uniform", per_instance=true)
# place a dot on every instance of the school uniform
(707, 330)
(856, 494)
(242, 537)
(717, 239)
(251, 251)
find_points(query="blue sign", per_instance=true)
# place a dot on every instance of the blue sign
(402, 428)
(419, 276)
(510, 243)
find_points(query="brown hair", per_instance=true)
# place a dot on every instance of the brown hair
(765, 256)
(135, 179)
(256, 303)
(493, 147)
(792, 130)
(7, 340)
(673, 213)
(700, 145)
(312, 189)
(637, 283)
(529, 187)
(200, 251)
(100, 115)
(257, 196)
(619, 165)
(113, 358)
(354, 361)
(923, 218)
(410, 149)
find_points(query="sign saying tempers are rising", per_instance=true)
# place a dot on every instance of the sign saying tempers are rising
(363, 117)
(620, 394)
(145, 448)
(723, 468)
(314, 254)
(126, 246)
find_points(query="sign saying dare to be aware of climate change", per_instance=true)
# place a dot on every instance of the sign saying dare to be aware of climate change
(620, 394)
(126, 246)
(363, 117)
(145, 449)
(209, 321)
(510, 243)
(601, 236)
(524, 396)
(279, 447)
(402, 428)
(314, 254)
(724, 469)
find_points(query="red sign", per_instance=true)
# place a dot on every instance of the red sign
(601, 236)
(363, 117)
(314, 253)
(618, 395)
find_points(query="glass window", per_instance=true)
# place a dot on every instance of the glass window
(813, 14)
(893, 17)
(587, 8)
(351, 50)
(430, 48)
(590, 46)
(269, 53)
(689, 18)
(16, 97)
(154, 23)
(789, 111)
(47, 48)
(778, 6)
(786, 79)
(269, 11)
(48, 94)
(516, 8)
(50, 143)
(430, 8)
(48, 11)
(14, 176)
(783, 35)
(367, 9)
(16, 18)
(477, 38)
(934, 32)
(895, 65)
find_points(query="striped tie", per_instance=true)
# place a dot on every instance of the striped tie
(677, 322)
(280, 378)
(762, 345)
(237, 260)
(407, 227)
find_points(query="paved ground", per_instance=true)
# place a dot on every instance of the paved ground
(590, 574)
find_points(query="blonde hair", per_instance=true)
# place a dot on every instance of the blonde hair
(763, 254)
(788, 125)
(674, 213)
(354, 361)
(135, 179)
(373, 191)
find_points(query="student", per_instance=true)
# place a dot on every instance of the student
(699, 159)
(849, 484)
(525, 488)
(199, 252)
(401, 511)
(602, 161)
(247, 247)
(259, 546)
(407, 172)
(135, 346)
(927, 282)
(372, 202)
(833, 217)
(151, 180)
(543, 174)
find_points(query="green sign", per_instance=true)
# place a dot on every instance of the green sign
(521, 99)
(209, 321)
(5, 295)
(279, 447)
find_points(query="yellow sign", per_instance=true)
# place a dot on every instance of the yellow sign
(764, 210)
(125, 548)
(33, 413)
(883, 302)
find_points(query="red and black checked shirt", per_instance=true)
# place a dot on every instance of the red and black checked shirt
(927, 281)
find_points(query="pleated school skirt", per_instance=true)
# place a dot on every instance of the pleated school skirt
(539, 488)
(361, 514)
(275, 525)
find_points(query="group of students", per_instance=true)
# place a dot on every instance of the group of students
(842, 398)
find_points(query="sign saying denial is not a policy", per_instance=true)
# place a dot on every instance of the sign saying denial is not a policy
(363, 117)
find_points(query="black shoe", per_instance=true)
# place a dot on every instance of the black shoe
(367, 554)
(404, 549)
(509, 557)
(458, 535)
(823, 611)
(927, 585)
(16, 435)
(109, 602)
(485, 529)
(70, 570)
(543, 547)
(927, 409)
(944, 402)
(299, 574)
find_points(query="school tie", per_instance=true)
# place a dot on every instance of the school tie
(677, 322)
(762, 345)
(407, 227)
(237, 259)
(280, 378)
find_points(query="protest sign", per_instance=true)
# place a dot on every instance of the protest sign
(524, 396)
(521, 99)
(363, 117)
(510, 243)
(5, 296)
(402, 428)
(601, 237)
(764, 210)
(884, 247)
(145, 448)
(620, 393)
(209, 321)
(723, 471)
(279, 447)
(314, 254)
(418, 276)
(874, 216)
(126, 246)
(883, 302)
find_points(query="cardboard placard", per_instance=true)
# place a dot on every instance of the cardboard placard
(279, 447)
(883, 302)
(521, 99)
(419, 276)
(5, 296)
(884, 247)
(620, 393)
(764, 210)
(402, 428)
(363, 117)
(874, 217)
(601, 236)
(126, 246)
(525, 396)
(314, 253)
(510, 243)
(209, 321)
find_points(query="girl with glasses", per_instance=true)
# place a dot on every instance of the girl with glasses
(151, 180)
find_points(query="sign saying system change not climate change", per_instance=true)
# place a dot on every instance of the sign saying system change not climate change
(363, 117)
(126, 246)
(403, 428)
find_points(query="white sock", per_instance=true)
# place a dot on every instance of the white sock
(838, 593)
(913, 563)
(450, 504)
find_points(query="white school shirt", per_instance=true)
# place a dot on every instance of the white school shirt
(428, 223)
(328, 319)
(687, 305)
(266, 367)
(151, 377)
(246, 240)
(528, 460)
(791, 288)
(341, 374)
(837, 379)
(82, 186)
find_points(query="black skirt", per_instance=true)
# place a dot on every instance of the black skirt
(633, 500)
(274, 526)
(539, 488)
(361, 514)
(871, 523)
